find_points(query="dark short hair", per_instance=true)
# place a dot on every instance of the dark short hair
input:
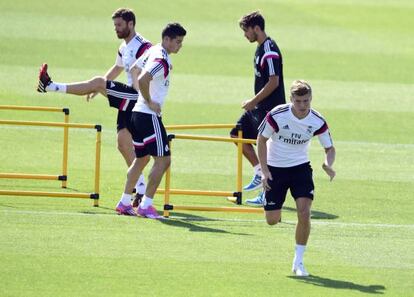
(125, 13)
(173, 30)
(300, 88)
(251, 20)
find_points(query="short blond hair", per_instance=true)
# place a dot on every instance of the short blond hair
(300, 88)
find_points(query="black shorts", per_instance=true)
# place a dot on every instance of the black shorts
(250, 121)
(121, 96)
(149, 135)
(124, 121)
(297, 178)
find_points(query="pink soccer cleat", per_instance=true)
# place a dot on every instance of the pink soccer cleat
(126, 210)
(150, 212)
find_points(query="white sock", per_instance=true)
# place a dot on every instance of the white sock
(146, 202)
(140, 187)
(56, 87)
(126, 199)
(299, 251)
(257, 170)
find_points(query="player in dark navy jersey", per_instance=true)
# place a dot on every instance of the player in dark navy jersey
(268, 88)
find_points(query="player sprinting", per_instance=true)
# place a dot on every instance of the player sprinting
(283, 144)
(120, 96)
(148, 132)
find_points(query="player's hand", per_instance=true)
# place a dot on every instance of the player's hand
(248, 105)
(154, 106)
(266, 176)
(91, 96)
(329, 171)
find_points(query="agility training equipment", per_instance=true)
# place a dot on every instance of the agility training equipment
(63, 176)
(237, 195)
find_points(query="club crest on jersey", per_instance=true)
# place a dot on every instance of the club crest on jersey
(309, 130)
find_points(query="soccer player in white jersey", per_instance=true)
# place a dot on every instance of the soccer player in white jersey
(283, 144)
(120, 96)
(148, 132)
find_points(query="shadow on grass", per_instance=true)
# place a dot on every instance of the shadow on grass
(316, 215)
(189, 221)
(339, 284)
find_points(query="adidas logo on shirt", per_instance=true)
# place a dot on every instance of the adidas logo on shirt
(286, 127)
(112, 85)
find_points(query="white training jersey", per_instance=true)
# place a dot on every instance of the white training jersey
(156, 62)
(129, 53)
(289, 137)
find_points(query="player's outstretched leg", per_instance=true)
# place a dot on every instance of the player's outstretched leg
(95, 85)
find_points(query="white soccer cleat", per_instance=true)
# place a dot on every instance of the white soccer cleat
(299, 270)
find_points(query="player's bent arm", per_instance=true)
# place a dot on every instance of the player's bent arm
(144, 87)
(113, 72)
(144, 84)
(269, 87)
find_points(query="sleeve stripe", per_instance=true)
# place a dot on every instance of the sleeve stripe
(142, 49)
(261, 127)
(268, 56)
(321, 129)
(272, 122)
(165, 65)
(156, 69)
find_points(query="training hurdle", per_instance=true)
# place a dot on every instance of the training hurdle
(236, 196)
(94, 195)
(62, 177)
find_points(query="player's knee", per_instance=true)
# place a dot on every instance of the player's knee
(123, 147)
(98, 83)
(272, 221)
(162, 163)
(272, 218)
(304, 215)
(167, 162)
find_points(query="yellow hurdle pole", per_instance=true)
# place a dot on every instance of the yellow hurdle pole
(31, 108)
(97, 164)
(201, 126)
(239, 165)
(29, 176)
(226, 209)
(166, 212)
(213, 138)
(196, 192)
(45, 194)
(47, 124)
(65, 149)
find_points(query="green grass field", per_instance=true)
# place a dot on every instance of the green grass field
(358, 56)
